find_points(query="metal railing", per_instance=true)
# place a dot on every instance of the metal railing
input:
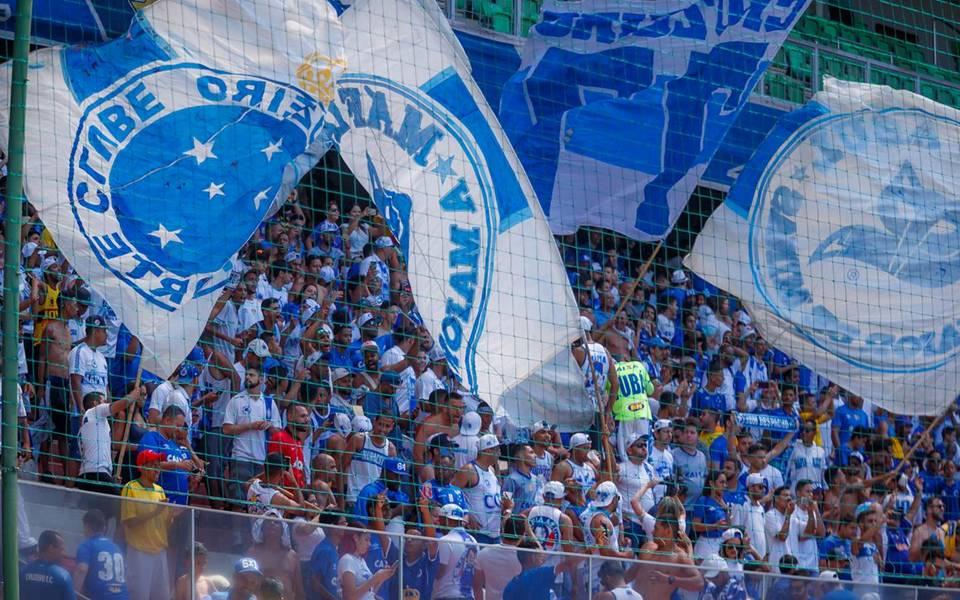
(204, 545)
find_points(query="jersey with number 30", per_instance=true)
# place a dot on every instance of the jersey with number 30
(105, 578)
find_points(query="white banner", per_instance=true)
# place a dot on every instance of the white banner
(139, 151)
(412, 125)
(842, 237)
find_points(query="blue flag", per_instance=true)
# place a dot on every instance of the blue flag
(619, 105)
(842, 238)
(141, 150)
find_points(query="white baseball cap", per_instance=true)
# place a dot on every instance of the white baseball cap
(487, 441)
(605, 494)
(678, 276)
(453, 512)
(731, 533)
(470, 424)
(553, 490)
(712, 565)
(586, 324)
(662, 424)
(579, 439)
(361, 424)
(633, 438)
(341, 422)
(755, 479)
(258, 347)
(828, 576)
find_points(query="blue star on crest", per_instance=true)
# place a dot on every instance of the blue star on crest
(444, 168)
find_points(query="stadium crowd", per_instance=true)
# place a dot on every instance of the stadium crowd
(316, 395)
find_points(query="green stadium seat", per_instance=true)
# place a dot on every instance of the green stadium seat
(898, 81)
(530, 16)
(497, 16)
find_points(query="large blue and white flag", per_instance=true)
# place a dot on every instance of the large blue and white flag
(619, 105)
(484, 269)
(153, 158)
(842, 237)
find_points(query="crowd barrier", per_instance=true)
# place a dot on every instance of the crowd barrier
(205, 545)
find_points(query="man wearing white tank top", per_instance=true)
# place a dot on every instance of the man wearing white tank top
(363, 460)
(481, 487)
(551, 526)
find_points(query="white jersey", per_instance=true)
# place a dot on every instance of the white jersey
(806, 463)
(458, 551)
(483, 500)
(633, 476)
(466, 450)
(543, 468)
(626, 593)
(251, 446)
(544, 522)
(776, 548)
(863, 566)
(361, 572)
(222, 387)
(259, 497)
(366, 466)
(585, 475)
(662, 463)
(600, 361)
(91, 365)
(95, 450)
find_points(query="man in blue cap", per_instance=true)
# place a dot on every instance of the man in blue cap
(246, 581)
(395, 474)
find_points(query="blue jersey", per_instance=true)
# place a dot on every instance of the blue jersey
(709, 512)
(532, 584)
(524, 489)
(105, 569)
(377, 559)
(45, 581)
(176, 484)
(323, 567)
(418, 578)
(706, 400)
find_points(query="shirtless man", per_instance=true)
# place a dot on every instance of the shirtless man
(447, 421)
(677, 572)
(617, 338)
(53, 373)
(324, 475)
(204, 587)
(578, 466)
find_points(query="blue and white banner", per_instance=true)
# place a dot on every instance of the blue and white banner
(619, 105)
(141, 150)
(485, 271)
(767, 422)
(842, 237)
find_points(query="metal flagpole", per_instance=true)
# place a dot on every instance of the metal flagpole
(18, 101)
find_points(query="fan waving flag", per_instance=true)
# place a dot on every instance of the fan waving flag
(484, 269)
(842, 237)
(619, 105)
(138, 151)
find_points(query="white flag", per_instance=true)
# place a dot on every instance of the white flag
(154, 157)
(487, 277)
(842, 237)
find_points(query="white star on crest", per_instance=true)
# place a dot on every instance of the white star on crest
(201, 151)
(166, 236)
(272, 148)
(214, 189)
(260, 197)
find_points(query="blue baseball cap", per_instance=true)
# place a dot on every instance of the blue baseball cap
(247, 565)
(396, 466)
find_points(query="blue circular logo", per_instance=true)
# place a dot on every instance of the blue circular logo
(174, 167)
(855, 237)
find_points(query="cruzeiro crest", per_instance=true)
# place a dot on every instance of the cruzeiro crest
(855, 237)
(174, 166)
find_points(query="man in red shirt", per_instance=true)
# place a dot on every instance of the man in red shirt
(289, 442)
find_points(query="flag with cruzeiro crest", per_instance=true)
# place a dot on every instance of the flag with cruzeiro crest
(154, 157)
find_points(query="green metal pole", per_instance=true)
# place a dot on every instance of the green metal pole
(11, 289)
